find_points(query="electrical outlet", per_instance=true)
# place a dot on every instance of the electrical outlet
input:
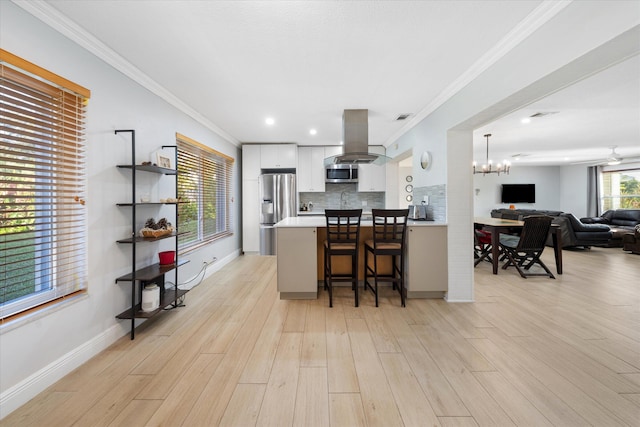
(364, 203)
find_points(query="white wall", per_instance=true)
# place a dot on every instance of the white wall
(37, 350)
(561, 188)
(573, 190)
(486, 189)
(521, 75)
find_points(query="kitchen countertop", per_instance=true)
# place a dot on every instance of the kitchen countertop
(319, 221)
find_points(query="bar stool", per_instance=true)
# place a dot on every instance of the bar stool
(343, 234)
(389, 237)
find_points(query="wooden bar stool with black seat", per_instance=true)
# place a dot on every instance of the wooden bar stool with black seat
(343, 234)
(389, 238)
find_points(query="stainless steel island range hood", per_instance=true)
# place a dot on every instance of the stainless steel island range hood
(355, 134)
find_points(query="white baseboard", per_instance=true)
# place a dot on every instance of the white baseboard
(16, 396)
(221, 263)
(21, 393)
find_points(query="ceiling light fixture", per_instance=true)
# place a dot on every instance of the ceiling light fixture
(313, 131)
(526, 120)
(270, 121)
(488, 166)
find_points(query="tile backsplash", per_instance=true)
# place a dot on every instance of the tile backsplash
(437, 208)
(343, 196)
(346, 196)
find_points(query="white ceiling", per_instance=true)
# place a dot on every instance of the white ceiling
(590, 117)
(302, 63)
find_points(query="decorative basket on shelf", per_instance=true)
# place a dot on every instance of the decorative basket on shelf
(148, 232)
(154, 230)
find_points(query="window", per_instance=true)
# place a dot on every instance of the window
(204, 188)
(42, 186)
(620, 189)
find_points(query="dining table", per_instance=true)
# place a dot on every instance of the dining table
(495, 226)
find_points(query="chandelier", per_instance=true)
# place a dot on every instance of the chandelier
(487, 167)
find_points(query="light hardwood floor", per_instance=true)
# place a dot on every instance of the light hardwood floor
(528, 352)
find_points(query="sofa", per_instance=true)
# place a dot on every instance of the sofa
(620, 221)
(574, 232)
(631, 241)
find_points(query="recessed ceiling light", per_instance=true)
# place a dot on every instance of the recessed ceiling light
(313, 131)
(341, 142)
(270, 121)
(526, 120)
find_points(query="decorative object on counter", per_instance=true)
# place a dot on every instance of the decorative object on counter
(169, 200)
(304, 207)
(310, 206)
(145, 198)
(167, 257)
(487, 167)
(425, 160)
(159, 229)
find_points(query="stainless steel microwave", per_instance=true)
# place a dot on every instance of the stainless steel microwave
(338, 174)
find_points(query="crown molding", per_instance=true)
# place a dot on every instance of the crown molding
(59, 22)
(532, 22)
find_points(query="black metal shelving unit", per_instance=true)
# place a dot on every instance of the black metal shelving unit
(154, 273)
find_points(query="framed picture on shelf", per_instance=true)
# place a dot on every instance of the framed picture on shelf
(163, 160)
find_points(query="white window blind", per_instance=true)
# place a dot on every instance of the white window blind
(204, 188)
(42, 186)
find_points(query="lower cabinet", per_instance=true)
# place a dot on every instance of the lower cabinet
(427, 275)
(297, 262)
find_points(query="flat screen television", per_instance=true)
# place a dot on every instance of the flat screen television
(518, 193)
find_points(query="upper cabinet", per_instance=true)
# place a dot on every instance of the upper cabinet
(310, 169)
(372, 177)
(250, 161)
(332, 150)
(278, 156)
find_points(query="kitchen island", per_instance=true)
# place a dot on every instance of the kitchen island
(300, 256)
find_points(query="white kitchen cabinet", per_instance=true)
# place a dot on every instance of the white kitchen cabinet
(332, 150)
(250, 205)
(250, 216)
(278, 156)
(372, 177)
(250, 161)
(297, 251)
(311, 169)
(426, 258)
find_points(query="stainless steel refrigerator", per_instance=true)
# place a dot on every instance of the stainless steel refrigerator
(277, 202)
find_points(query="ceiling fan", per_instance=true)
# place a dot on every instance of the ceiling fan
(614, 158)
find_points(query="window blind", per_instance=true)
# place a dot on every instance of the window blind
(204, 186)
(42, 186)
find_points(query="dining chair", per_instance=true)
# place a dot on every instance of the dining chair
(389, 239)
(524, 251)
(482, 246)
(343, 235)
